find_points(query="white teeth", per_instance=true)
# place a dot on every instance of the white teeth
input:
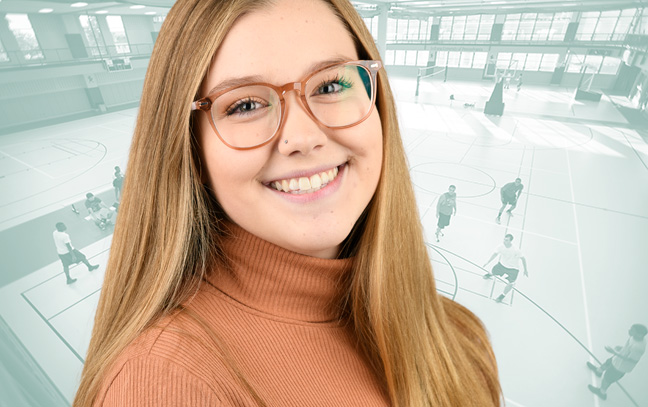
(315, 181)
(304, 185)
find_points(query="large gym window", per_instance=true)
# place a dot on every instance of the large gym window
(22, 30)
(372, 25)
(93, 36)
(605, 25)
(464, 28)
(116, 27)
(401, 30)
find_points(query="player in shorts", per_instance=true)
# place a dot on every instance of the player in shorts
(507, 265)
(446, 207)
(509, 194)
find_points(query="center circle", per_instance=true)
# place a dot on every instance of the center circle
(435, 178)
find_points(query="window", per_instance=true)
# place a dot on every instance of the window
(399, 57)
(549, 62)
(623, 25)
(368, 23)
(472, 26)
(510, 28)
(559, 26)
(442, 58)
(389, 57)
(479, 61)
(503, 60)
(4, 57)
(422, 58)
(466, 60)
(410, 58)
(532, 62)
(424, 33)
(401, 30)
(445, 28)
(525, 29)
(458, 27)
(542, 27)
(593, 63)
(453, 58)
(22, 30)
(575, 62)
(605, 26)
(485, 27)
(587, 25)
(517, 61)
(610, 66)
(116, 28)
(413, 30)
(391, 29)
(93, 35)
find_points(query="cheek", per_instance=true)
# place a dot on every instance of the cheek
(374, 146)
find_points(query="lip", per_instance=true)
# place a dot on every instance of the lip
(330, 188)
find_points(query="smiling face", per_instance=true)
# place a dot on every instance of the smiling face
(330, 175)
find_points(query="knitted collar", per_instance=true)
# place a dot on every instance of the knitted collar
(278, 282)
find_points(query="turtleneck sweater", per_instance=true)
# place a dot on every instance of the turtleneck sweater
(270, 320)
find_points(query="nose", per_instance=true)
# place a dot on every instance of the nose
(299, 134)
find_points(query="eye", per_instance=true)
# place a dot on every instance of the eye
(332, 86)
(245, 106)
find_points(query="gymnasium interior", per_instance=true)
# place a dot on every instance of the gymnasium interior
(553, 92)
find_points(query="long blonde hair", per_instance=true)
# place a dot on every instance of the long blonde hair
(429, 350)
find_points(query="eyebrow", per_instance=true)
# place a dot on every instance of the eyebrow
(232, 82)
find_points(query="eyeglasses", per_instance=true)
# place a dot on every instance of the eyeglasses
(248, 116)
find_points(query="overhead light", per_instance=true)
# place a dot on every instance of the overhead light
(150, 13)
(79, 4)
(135, 7)
(46, 10)
(101, 12)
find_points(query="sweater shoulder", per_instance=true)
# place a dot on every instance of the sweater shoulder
(177, 357)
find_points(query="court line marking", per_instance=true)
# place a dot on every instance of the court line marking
(74, 304)
(544, 311)
(588, 330)
(27, 165)
(520, 230)
(56, 332)
(625, 136)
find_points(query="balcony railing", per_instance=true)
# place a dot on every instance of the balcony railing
(63, 56)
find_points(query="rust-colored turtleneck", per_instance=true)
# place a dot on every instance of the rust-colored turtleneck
(277, 315)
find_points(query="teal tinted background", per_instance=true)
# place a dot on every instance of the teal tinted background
(66, 120)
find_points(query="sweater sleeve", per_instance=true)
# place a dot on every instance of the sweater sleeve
(157, 382)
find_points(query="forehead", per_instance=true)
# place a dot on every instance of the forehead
(281, 43)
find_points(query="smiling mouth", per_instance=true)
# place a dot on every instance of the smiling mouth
(305, 185)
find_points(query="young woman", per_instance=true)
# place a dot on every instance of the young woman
(268, 250)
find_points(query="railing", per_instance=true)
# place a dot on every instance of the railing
(61, 56)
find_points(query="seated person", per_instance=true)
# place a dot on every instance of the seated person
(97, 209)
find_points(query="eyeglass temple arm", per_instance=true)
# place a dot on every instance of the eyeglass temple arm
(201, 104)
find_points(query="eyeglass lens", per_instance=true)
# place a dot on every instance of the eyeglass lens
(250, 115)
